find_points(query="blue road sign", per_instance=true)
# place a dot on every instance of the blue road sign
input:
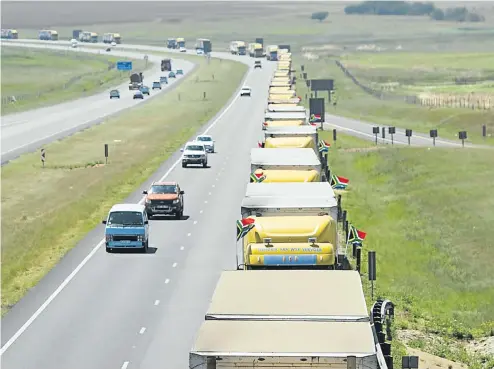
(124, 65)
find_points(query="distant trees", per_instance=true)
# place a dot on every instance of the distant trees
(459, 14)
(320, 16)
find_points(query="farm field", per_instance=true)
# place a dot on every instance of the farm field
(40, 77)
(354, 102)
(432, 260)
(75, 180)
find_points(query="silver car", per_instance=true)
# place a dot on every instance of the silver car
(208, 142)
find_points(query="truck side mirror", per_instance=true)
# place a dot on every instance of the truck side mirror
(144, 192)
(182, 192)
(104, 221)
(146, 222)
(182, 150)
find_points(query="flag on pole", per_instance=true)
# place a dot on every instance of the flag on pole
(315, 118)
(257, 177)
(355, 235)
(244, 226)
(323, 146)
(339, 183)
(259, 144)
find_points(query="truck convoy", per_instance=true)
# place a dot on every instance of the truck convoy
(86, 36)
(255, 50)
(271, 311)
(50, 35)
(238, 48)
(108, 38)
(204, 45)
(166, 65)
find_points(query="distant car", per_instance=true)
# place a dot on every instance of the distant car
(156, 85)
(164, 80)
(113, 43)
(208, 142)
(114, 94)
(180, 72)
(138, 95)
(245, 91)
(194, 153)
(108, 49)
(73, 43)
(144, 90)
(171, 75)
(164, 198)
(199, 52)
(183, 50)
(257, 64)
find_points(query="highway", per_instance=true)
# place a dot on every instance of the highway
(27, 131)
(98, 310)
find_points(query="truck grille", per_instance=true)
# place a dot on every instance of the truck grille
(124, 237)
(161, 202)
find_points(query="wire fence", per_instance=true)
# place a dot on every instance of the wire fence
(469, 101)
(62, 86)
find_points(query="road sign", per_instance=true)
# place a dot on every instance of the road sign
(124, 65)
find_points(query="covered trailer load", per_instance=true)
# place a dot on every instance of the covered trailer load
(286, 108)
(289, 93)
(171, 43)
(281, 80)
(291, 137)
(166, 65)
(180, 43)
(287, 85)
(286, 165)
(284, 116)
(276, 100)
(281, 74)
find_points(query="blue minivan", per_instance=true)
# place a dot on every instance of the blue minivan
(127, 226)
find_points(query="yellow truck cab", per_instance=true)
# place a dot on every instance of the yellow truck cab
(294, 225)
(286, 165)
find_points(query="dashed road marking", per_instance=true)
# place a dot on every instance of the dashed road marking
(195, 222)
(188, 234)
(157, 302)
(214, 185)
(167, 281)
(125, 365)
(205, 201)
(200, 212)
(181, 248)
(143, 329)
(174, 265)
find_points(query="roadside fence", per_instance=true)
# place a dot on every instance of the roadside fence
(469, 101)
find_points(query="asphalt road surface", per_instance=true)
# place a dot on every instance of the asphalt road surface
(27, 131)
(142, 311)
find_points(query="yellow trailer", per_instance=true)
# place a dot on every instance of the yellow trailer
(303, 142)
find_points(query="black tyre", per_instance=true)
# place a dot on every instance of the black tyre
(184, 165)
(109, 250)
(145, 248)
(204, 165)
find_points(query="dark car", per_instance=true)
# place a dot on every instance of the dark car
(114, 94)
(180, 72)
(156, 85)
(164, 198)
(171, 75)
(145, 90)
(257, 64)
(138, 95)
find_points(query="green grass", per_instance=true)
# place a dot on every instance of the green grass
(344, 141)
(430, 227)
(40, 77)
(353, 102)
(41, 217)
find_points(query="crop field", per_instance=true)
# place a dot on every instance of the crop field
(40, 77)
(278, 22)
(75, 181)
(354, 102)
(433, 254)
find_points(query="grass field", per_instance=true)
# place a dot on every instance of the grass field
(41, 218)
(355, 103)
(40, 77)
(430, 228)
(278, 22)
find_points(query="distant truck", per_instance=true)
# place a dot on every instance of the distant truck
(255, 50)
(204, 44)
(136, 81)
(108, 38)
(238, 48)
(278, 119)
(286, 165)
(50, 35)
(180, 42)
(264, 318)
(272, 53)
(171, 43)
(291, 137)
(87, 36)
(260, 40)
(10, 34)
(166, 65)
(286, 108)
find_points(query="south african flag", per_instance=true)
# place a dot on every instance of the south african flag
(339, 183)
(323, 146)
(244, 226)
(257, 177)
(315, 118)
(354, 235)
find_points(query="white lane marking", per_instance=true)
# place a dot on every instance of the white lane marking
(167, 281)
(143, 329)
(182, 248)
(188, 234)
(157, 302)
(214, 186)
(209, 194)
(205, 201)
(195, 222)
(174, 265)
(125, 365)
(200, 212)
(95, 249)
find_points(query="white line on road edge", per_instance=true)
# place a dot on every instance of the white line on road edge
(125, 365)
(95, 249)
(143, 329)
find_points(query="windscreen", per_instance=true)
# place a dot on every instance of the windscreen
(163, 189)
(195, 148)
(125, 218)
(202, 138)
